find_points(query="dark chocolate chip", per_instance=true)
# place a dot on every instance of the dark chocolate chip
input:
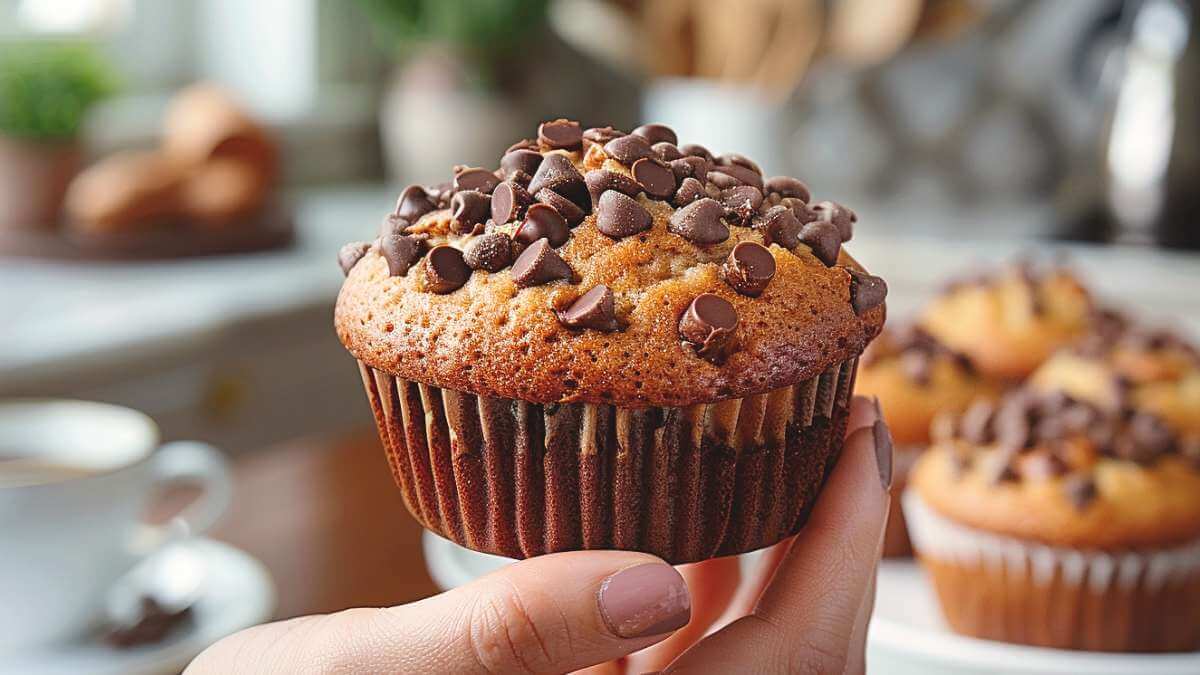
(867, 291)
(441, 194)
(917, 366)
(749, 268)
(523, 144)
(539, 264)
(619, 215)
(721, 181)
(469, 209)
(655, 177)
(694, 150)
(1000, 469)
(1150, 433)
(628, 149)
(823, 238)
(350, 254)
(560, 134)
(803, 214)
(542, 221)
(392, 224)
(780, 226)
(837, 214)
(527, 161)
(601, 135)
(565, 207)
(600, 180)
(695, 167)
(667, 152)
(689, 191)
(976, 423)
(786, 186)
(476, 179)
(414, 202)
(657, 133)
(559, 174)
(491, 252)
(594, 309)
(509, 201)
(734, 159)
(708, 325)
(445, 270)
(700, 222)
(1042, 466)
(401, 251)
(741, 203)
(1080, 490)
(726, 176)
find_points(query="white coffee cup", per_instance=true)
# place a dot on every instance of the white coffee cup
(66, 536)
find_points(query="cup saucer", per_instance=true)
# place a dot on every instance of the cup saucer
(238, 593)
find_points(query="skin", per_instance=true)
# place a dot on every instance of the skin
(803, 609)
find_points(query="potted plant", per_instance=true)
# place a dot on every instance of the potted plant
(45, 91)
(456, 82)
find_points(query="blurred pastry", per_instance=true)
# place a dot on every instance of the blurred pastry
(126, 191)
(915, 378)
(1009, 321)
(1050, 521)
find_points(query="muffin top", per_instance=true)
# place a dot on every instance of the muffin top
(1064, 472)
(605, 267)
(915, 377)
(1011, 319)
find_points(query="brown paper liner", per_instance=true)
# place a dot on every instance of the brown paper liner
(1004, 589)
(522, 479)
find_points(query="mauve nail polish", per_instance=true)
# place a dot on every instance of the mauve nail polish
(883, 452)
(645, 600)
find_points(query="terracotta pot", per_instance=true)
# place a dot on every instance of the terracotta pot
(33, 180)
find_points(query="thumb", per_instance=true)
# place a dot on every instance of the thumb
(550, 614)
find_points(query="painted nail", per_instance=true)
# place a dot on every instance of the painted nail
(883, 452)
(878, 409)
(644, 600)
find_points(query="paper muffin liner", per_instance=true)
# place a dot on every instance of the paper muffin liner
(1007, 589)
(521, 479)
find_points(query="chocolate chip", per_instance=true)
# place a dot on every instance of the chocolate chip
(628, 149)
(694, 150)
(917, 366)
(749, 268)
(1080, 490)
(1042, 466)
(657, 133)
(729, 175)
(700, 222)
(655, 177)
(413, 203)
(539, 264)
(1151, 435)
(689, 191)
(523, 144)
(837, 214)
(695, 167)
(527, 161)
(803, 214)
(787, 186)
(741, 203)
(476, 179)
(542, 221)
(594, 309)
(976, 423)
(491, 252)
(400, 252)
(734, 159)
(619, 215)
(601, 135)
(565, 207)
(823, 238)
(445, 270)
(560, 134)
(599, 181)
(350, 254)
(780, 226)
(708, 325)
(509, 202)
(1013, 424)
(469, 209)
(667, 152)
(1000, 468)
(392, 224)
(559, 174)
(721, 181)
(867, 291)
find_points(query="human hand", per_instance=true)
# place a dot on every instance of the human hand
(804, 608)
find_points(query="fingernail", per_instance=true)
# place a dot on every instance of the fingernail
(883, 452)
(644, 600)
(878, 409)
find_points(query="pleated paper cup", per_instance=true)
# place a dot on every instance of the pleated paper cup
(521, 479)
(1002, 588)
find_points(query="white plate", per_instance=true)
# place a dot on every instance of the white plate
(238, 593)
(908, 636)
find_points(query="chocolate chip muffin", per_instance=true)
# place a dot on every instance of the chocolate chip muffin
(1011, 319)
(915, 378)
(1050, 521)
(610, 341)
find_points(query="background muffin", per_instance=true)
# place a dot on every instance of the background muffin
(1011, 320)
(1049, 521)
(610, 341)
(915, 378)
